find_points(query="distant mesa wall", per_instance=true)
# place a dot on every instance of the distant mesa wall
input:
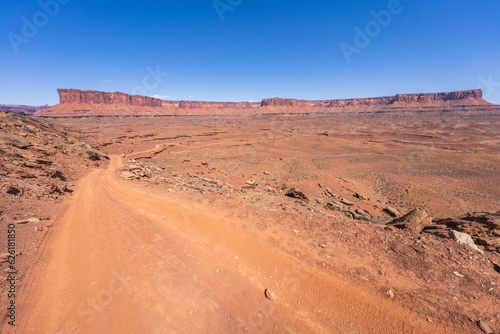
(220, 105)
(424, 97)
(96, 97)
(375, 101)
(75, 102)
(278, 102)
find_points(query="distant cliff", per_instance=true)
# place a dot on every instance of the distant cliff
(75, 102)
(221, 105)
(460, 95)
(23, 108)
(376, 101)
(96, 97)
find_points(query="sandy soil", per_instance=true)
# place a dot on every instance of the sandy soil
(123, 261)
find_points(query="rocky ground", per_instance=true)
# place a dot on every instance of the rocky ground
(403, 207)
(40, 166)
(481, 229)
(423, 264)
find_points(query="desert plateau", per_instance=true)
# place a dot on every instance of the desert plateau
(249, 167)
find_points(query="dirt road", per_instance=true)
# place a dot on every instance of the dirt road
(123, 261)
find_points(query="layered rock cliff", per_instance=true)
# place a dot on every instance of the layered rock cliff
(221, 105)
(376, 101)
(78, 102)
(96, 97)
(424, 97)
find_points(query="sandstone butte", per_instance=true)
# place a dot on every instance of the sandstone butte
(74, 102)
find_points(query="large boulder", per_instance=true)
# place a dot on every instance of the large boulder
(464, 238)
(296, 193)
(414, 221)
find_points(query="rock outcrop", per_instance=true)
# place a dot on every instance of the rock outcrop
(376, 101)
(39, 158)
(459, 95)
(415, 221)
(96, 97)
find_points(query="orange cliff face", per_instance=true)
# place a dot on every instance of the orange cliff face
(96, 97)
(75, 102)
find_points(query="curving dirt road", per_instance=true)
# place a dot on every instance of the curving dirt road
(123, 261)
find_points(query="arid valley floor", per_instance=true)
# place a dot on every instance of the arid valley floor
(182, 224)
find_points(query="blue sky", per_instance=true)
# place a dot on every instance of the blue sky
(247, 50)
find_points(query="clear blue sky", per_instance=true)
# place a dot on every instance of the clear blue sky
(260, 49)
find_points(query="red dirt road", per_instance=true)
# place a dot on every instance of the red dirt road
(123, 261)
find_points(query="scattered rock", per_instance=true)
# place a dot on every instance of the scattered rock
(251, 182)
(207, 180)
(381, 220)
(361, 197)
(346, 202)
(134, 168)
(21, 144)
(55, 189)
(435, 227)
(26, 175)
(90, 153)
(392, 211)
(456, 273)
(330, 193)
(11, 190)
(129, 176)
(30, 164)
(357, 216)
(463, 238)
(488, 241)
(363, 213)
(270, 294)
(322, 244)
(441, 233)
(484, 327)
(266, 173)
(43, 161)
(335, 206)
(414, 221)
(296, 193)
(390, 293)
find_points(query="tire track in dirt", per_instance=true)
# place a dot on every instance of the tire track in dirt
(125, 261)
